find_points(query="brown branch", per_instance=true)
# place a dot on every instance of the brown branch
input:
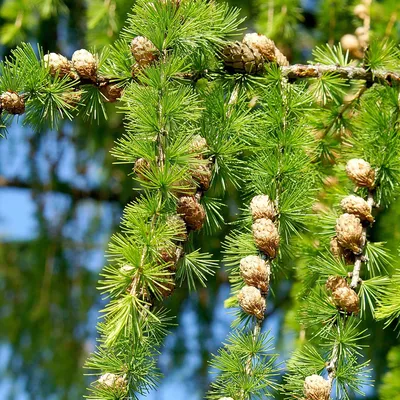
(301, 71)
(63, 188)
(360, 258)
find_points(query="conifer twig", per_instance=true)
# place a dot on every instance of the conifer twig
(301, 71)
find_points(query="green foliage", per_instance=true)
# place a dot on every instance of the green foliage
(247, 367)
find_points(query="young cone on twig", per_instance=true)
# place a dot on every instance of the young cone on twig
(12, 102)
(316, 388)
(349, 232)
(113, 381)
(192, 212)
(266, 236)
(262, 206)
(266, 47)
(240, 57)
(57, 64)
(85, 64)
(252, 302)
(357, 206)
(202, 175)
(198, 145)
(255, 272)
(361, 172)
(141, 168)
(343, 296)
(144, 51)
(341, 253)
(111, 92)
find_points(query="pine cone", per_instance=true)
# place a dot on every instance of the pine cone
(262, 207)
(198, 145)
(144, 51)
(252, 302)
(346, 299)
(358, 206)
(341, 253)
(72, 98)
(361, 172)
(12, 102)
(316, 388)
(114, 381)
(281, 58)
(336, 282)
(57, 64)
(203, 174)
(141, 168)
(192, 212)
(265, 46)
(85, 64)
(255, 272)
(266, 236)
(111, 92)
(169, 255)
(349, 232)
(239, 57)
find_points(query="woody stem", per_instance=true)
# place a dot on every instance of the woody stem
(360, 258)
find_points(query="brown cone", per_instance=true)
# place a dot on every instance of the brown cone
(198, 145)
(141, 168)
(266, 236)
(144, 51)
(57, 64)
(240, 57)
(255, 272)
(192, 212)
(202, 175)
(111, 92)
(262, 206)
(341, 253)
(252, 302)
(12, 102)
(316, 388)
(336, 282)
(346, 299)
(361, 172)
(85, 64)
(358, 206)
(113, 381)
(349, 232)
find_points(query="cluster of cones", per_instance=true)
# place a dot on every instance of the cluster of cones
(84, 66)
(350, 238)
(255, 269)
(191, 214)
(348, 243)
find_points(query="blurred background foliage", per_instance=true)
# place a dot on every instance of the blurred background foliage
(61, 197)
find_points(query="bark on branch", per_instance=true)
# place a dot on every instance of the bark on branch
(301, 71)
